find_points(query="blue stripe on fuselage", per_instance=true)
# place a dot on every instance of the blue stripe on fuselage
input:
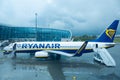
(64, 50)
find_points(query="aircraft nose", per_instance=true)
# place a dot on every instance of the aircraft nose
(6, 50)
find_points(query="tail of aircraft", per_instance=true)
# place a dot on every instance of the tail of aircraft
(109, 34)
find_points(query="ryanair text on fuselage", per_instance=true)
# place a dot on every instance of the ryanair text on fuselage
(38, 45)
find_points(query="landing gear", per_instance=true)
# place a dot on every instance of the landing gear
(32, 54)
(58, 57)
(55, 56)
(15, 54)
(5, 52)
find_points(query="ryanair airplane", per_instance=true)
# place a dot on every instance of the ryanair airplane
(71, 49)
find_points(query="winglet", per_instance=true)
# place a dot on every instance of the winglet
(79, 52)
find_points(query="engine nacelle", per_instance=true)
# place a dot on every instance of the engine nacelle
(41, 54)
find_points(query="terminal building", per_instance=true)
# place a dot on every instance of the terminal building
(33, 34)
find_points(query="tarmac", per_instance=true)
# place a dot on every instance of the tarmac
(26, 67)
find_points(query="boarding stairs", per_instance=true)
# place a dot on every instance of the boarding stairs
(105, 57)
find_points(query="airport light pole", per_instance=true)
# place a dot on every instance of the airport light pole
(36, 25)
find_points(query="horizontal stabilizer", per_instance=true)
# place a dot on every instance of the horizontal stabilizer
(104, 56)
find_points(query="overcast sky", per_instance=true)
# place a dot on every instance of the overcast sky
(79, 16)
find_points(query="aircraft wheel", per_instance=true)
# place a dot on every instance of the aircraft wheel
(58, 57)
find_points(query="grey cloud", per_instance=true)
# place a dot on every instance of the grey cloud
(79, 16)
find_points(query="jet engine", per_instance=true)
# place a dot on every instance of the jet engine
(41, 54)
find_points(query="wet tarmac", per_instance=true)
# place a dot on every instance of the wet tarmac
(26, 67)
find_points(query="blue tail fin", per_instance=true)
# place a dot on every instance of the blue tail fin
(109, 34)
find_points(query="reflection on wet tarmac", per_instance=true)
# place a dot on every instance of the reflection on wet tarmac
(25, 67)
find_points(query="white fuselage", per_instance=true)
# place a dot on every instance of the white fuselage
(69, 47)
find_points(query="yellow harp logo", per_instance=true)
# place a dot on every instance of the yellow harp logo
(110, 33)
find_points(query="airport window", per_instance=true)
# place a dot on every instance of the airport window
(43, 34)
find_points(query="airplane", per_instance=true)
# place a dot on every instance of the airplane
(71, 49)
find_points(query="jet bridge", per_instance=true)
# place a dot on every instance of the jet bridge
(103, 56)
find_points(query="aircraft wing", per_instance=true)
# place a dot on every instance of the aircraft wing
(60, 52)
(79, 52)
(104, 56)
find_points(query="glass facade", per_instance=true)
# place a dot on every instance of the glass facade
(31, 33)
